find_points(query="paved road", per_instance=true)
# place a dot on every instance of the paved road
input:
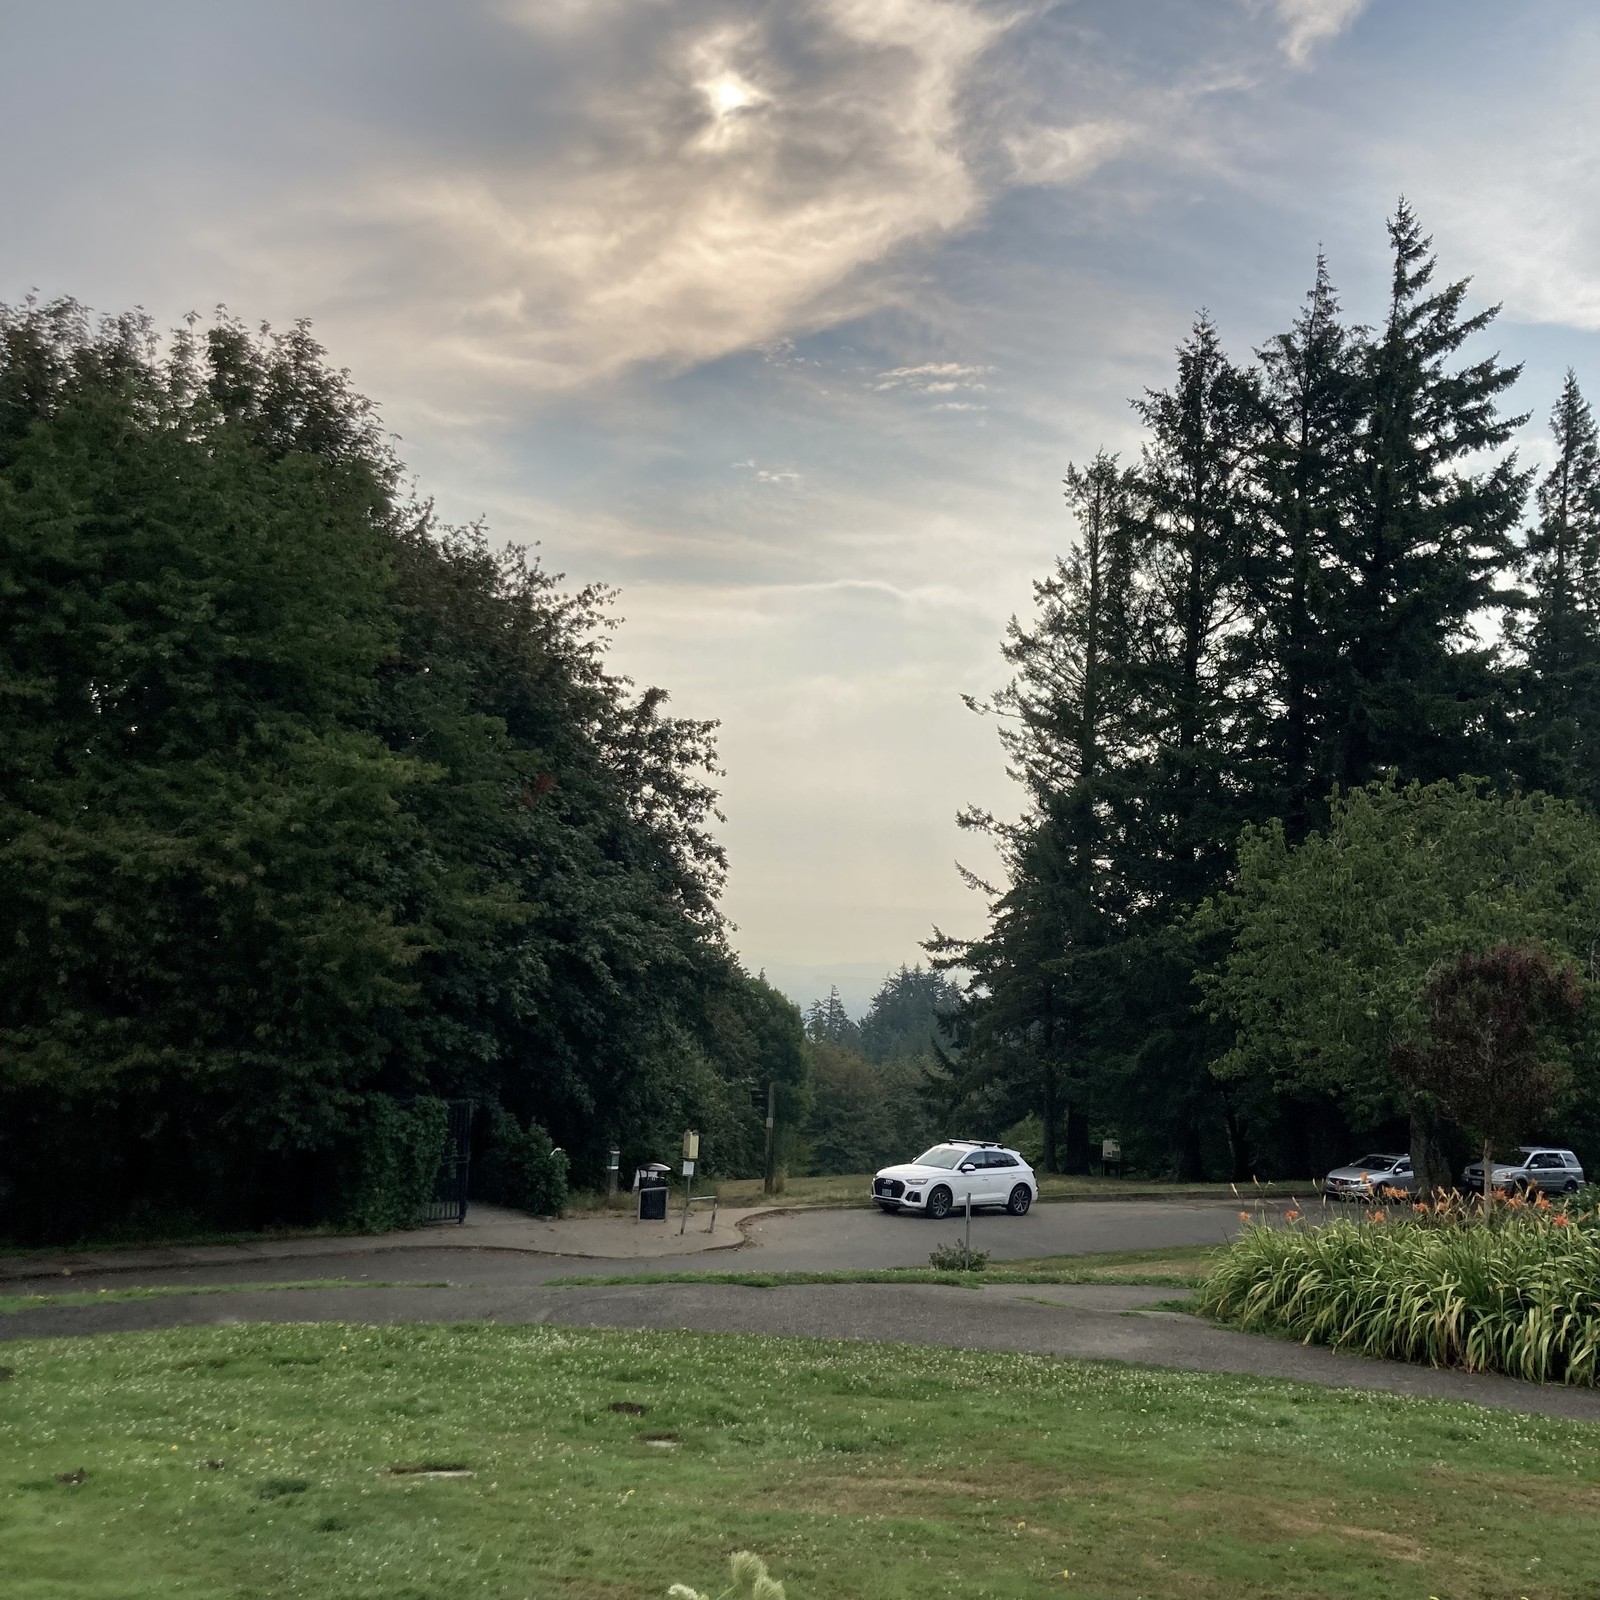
(809, 1241)
(1093, 1321)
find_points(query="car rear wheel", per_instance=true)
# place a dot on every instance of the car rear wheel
(1021, 1199)
(939, 1203)
(1570, 1186)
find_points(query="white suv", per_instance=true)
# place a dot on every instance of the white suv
(940, 1180)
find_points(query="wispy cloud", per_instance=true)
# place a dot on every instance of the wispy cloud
(1307, 23)
(934, 378)
(1066, 153)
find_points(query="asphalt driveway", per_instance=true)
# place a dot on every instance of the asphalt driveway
(805, 1240)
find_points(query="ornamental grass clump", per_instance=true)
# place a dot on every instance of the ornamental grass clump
(1427, 1283)
(751, 1581)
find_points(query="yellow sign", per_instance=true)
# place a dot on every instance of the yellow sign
(691, 1147)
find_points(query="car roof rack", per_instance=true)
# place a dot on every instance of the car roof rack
(978, 1144)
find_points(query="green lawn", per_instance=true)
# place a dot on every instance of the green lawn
(862, 1471)
(10, 1304)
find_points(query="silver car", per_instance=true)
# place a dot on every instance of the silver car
(1369, 1177)
(1544, 1167)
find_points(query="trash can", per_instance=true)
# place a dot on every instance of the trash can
(652, 1200)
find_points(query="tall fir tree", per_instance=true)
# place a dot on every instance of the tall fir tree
(1064, 724)
(1196, 692)
(1310, 388)
(1557, 632)
(1429, 539)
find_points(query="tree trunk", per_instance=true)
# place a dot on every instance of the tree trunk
(1428, 1160)
(1049, 1112)
(1488, 1185)
(1243, 1166)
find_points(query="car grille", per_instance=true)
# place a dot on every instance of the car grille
(891, 1187)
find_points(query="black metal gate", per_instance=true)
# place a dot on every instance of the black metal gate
(449, 1203)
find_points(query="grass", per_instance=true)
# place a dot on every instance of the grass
(1521, 1297)
(159, 1236)
(1182, 1266)
(10, 1304)
(246, 1462)
(854, 1190)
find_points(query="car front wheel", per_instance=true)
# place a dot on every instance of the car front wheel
(1021, 1199)
(939, 1203)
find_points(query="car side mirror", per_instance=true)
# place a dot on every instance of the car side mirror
(967, 1166)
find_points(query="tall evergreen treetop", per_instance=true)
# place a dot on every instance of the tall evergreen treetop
(1428, 540)
(1196, 690)
(1556, 630)
(1310, 389)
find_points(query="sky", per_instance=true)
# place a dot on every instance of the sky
(787, 318)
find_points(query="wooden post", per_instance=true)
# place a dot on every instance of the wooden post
(769, 1176)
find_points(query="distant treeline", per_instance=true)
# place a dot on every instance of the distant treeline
(310, 805)
(1326, 574)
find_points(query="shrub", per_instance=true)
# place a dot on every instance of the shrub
(396, 1162)
(522, 1168)
(1520, 1298)
(957, 1258)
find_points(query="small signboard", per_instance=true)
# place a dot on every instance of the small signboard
(688, 1169)
(1110, 1150)
(691, 1147)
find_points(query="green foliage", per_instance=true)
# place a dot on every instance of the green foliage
(1284, 595)
(522, 1168)
(1487, 1059)
(903, 1021)
(1331, 941)
(863, 1115)
(305, 799)
(391, 1171)
(1521, 1298)
(875, 1086)
(1555, 632)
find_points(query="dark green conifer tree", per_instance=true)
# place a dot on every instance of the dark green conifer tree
(1311, 413)
(1557, 632)
(1428, 540)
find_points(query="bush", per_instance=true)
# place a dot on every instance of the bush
(398, 1151)
(957, 1258)
(1429, 1285)
(522, 1168)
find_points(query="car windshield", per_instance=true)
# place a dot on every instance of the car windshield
(942, 1155)
(1375, 1163)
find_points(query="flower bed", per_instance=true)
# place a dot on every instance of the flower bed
(1428, 1284)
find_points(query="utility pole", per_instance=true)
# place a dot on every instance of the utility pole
(768, 1176)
